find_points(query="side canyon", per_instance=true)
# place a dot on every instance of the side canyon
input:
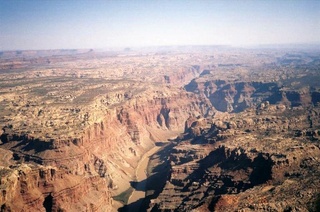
(236, 129)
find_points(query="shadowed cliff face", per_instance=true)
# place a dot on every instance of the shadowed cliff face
(250, 156)
(51, 189)
(315, 97)
(74, 131)
(124, 134)
(90, 125)
(236, 97)
(232, 161)
(236, 161)
(48, 203)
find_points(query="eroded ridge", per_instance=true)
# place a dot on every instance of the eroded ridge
(76, 124)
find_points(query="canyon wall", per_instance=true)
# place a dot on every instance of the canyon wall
(253, 160)
(259, 152)
(74, 129)
(83, 172)
(238, 96)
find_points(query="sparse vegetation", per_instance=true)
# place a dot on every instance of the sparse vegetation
(95, 114)
(124, 196)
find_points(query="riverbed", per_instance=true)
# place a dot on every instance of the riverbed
(141, 176)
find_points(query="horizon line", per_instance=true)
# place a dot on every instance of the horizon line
(113, 48)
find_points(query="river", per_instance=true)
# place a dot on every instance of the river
(141, 176)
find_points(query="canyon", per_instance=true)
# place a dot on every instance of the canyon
(225, 129)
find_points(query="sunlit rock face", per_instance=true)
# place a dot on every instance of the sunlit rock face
(74, 129)
(259, 152)
(245, 161)
(74, 126)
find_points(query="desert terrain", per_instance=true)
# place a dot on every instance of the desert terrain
(188, 128)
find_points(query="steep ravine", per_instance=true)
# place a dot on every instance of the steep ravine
(135, 200)
(238, 96)
(220, 154)
(88, 170)
(255, 160)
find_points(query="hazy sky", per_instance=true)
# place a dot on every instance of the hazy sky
(53, 24)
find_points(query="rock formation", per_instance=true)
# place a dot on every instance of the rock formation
(74, 125)
(260, 153)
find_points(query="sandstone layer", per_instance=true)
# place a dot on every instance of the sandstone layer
(76, 123)
(261, 152)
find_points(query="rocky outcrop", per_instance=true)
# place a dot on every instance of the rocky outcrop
(91, 127)
(233, 96)
(104, 154)
(236, 97)
(34, 187)
(181, 76)
(74, 126)
(243, 161)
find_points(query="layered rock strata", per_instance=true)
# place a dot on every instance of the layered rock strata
(72, 149)
(75, 126)
(246, 162)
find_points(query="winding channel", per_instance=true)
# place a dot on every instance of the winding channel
(141, 176)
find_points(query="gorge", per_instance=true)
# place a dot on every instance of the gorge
(225, 129)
